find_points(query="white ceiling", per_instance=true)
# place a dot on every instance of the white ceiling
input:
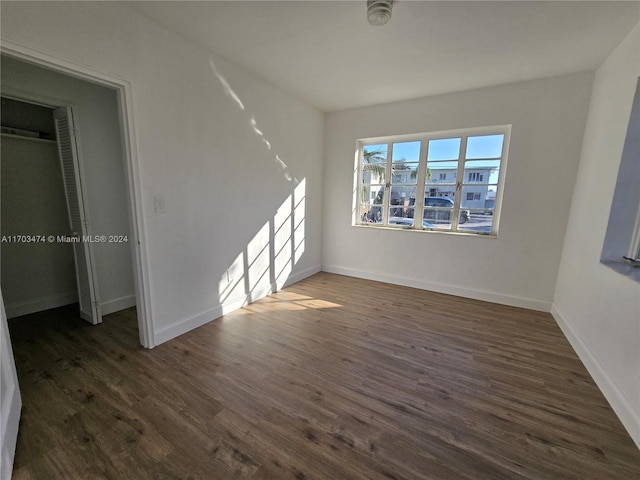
(326, 53)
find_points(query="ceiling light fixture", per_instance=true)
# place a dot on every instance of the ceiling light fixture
(379, 11)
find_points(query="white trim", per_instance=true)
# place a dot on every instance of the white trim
(422, 136)
(117, 304)
(141, 273)
(47, 60)
(483, 295)
(619, 403)
(39, 304)
(124, 91)
(188, 324)
(11, 403)
(175, 330)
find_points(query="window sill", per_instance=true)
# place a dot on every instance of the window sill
(440, 232)
(624, 267)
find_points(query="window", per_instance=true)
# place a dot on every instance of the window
(403, 178)
(621, 248)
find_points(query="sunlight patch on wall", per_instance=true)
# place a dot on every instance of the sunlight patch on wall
(231, 284)
(258, 260)
(282, 241)
(225, 85)
(258, 132)
(266, 262)
(299, 205)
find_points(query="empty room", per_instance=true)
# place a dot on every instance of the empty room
(320, 240)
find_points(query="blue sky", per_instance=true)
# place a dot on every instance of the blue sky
(440, 150)
(478, 147)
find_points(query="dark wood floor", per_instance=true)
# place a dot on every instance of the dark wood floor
(333, 378)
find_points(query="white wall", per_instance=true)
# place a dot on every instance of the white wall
(598, 308)
(225, 191)
(35, 276)
(517, 268)
(96, 111)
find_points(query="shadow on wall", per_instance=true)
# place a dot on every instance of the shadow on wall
(264, 265)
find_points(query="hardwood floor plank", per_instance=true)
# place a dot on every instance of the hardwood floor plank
(333, 378)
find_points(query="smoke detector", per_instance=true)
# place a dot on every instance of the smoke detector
(379, 11)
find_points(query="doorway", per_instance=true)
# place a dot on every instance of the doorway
(46, 264)
(103, 117)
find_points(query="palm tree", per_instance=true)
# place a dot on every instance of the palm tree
(374, 161)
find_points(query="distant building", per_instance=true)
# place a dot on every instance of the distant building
(441, 183)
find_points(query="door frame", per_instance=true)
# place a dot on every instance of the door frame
(124, 93)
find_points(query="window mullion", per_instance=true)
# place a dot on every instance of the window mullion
(421, 180)
(457, 198)
(359, 186)
(386, 201)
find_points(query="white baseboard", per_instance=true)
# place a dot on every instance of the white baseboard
(483, 295)
(117, 304)
(25, 308)
(228, 306)
(186, 325)
(619, 403)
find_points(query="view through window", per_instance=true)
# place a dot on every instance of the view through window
(452, 181)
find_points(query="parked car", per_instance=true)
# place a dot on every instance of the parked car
(430, 214)
(407, 221)
(441, 216)
(489, 205)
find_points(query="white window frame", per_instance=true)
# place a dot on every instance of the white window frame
(634, 247)
(421, 186)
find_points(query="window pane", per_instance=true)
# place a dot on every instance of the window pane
(377, 195)
(399, 221)
(406, 152)
(481, 171)
(374, 153)
(402, 198)
(442, 172)
(405, 173)
(485, 146)
(371, 212)
(438, 211)
(373, 173)
(437, 188)
(476, 196)
(477, 204)
(444, 149)
(478, 220)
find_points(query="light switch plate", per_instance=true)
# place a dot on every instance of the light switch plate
(159, 204)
